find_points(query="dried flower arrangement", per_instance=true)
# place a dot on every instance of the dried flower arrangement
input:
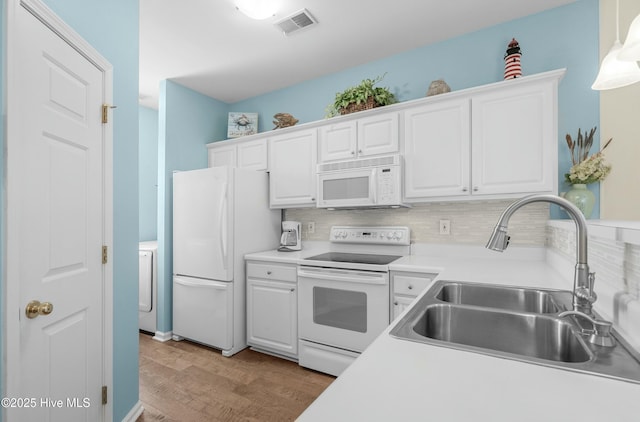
(586, 169)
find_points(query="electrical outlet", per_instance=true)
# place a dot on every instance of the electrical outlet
(445, 227)
(311, 227)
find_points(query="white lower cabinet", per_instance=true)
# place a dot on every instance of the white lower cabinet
(272, 308)
(405, 287)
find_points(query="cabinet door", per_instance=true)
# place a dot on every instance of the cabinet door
(378, 135)
(437, 150)
(337, 141)
(292, 168)
(400, 303)
(514, 147)
(224, 155)
(253, 155)
(272, 316)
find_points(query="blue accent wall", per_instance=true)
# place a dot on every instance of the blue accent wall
(112, 28)
(148, 174)
(564, 37)
(187, 122)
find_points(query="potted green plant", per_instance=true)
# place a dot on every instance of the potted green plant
(360, 97)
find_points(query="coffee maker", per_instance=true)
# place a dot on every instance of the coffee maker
(290, 240)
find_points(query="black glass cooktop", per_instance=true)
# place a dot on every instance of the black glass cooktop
(356, 258)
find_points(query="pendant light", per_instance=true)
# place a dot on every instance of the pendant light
(257, 9)
(631, 48)
(615, 73)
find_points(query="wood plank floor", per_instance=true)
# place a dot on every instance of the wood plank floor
(184, 381)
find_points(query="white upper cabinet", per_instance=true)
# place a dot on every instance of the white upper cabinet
(292, 169)
(495, 141)
(253, 155)
(378, 135)
(514, 148)
(250, 155)
(222, 154)
(437, 149)
(363, 137)
(338, 141)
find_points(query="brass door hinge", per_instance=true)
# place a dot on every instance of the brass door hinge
(105, 112)
(105, 255)
(104, 394)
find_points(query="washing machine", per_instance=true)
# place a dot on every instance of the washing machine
(148, 281)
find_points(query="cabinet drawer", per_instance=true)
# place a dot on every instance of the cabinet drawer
(411, 285)
(272, 272)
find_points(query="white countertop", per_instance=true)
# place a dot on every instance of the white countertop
(398, 380)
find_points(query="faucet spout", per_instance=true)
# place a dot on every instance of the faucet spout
(583, 295)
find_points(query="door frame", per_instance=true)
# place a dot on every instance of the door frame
(11, 340)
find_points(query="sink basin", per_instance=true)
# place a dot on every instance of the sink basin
(522, 334)
(503, 297)
(518, 323)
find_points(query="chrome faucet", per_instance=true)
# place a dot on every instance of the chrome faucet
(583, 280)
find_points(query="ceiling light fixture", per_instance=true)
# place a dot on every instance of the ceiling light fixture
(631, 48)
(615, 73)
(257, 9)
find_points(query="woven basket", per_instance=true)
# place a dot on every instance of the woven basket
(353, 107)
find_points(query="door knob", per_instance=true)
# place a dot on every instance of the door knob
(35, 308)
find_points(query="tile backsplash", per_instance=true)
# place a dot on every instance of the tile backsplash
(617, 267)
(470, 222)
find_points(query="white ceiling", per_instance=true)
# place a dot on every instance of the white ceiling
(212, 48)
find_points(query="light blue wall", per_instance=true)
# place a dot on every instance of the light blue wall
(148, 174)
(112, 28)
(187, 122)
(565, 37)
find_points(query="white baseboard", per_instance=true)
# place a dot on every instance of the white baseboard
(134, 413)
(162, 337)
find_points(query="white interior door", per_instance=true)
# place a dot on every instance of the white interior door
(56, 224)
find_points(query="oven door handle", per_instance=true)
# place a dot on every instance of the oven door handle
(360, 278)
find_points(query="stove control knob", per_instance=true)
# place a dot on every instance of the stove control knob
(395, 236)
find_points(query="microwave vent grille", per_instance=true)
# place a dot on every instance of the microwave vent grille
(356, 164)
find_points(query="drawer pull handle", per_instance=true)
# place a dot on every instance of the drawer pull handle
(410, 287)
(268, 272)
(293, 290)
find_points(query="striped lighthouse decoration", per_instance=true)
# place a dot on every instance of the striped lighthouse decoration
(512, 68)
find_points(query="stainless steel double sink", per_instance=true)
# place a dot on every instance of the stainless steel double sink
(513, 323)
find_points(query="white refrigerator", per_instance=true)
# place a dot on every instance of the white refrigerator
(219, 215)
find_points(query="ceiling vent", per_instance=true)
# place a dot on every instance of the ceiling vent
(295, 22)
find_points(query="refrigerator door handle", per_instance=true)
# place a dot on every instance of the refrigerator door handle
(223, 225)
(199, 283)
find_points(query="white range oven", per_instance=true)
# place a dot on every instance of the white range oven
(343, 295)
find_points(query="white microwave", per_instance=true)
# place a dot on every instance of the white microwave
(362, 183)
